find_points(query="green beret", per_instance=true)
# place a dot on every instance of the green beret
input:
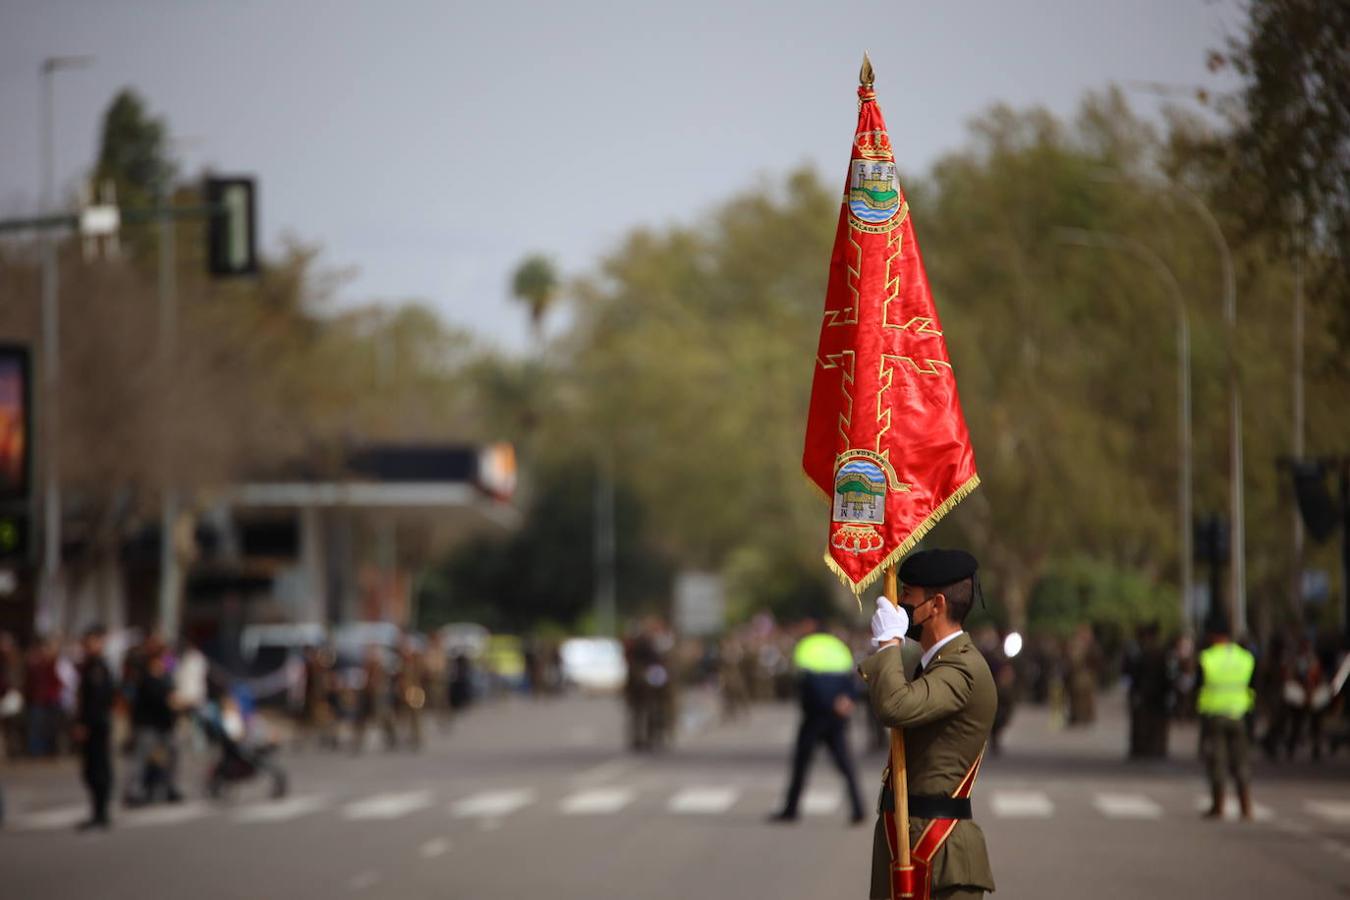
(937, 568)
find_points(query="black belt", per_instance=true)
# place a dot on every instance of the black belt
(930, 806)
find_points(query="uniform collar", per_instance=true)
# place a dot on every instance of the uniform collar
(933, 650)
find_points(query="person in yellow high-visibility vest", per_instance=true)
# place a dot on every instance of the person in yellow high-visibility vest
(1224, 700)
(825, 680)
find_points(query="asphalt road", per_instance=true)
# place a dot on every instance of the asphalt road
(537, 799)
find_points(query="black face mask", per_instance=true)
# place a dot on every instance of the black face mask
(915, 631)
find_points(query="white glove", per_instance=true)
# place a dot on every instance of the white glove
(888, 622)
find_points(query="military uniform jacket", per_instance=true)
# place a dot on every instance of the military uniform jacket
(947, 714)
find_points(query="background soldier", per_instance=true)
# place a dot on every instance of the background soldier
(1150, 675)
(93, 727)
(1225, 699)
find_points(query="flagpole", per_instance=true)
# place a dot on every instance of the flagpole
(899, 778)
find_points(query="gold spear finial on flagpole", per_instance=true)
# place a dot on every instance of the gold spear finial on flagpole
(866, 76)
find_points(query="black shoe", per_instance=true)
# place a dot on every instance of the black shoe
(782, 818)
(91, 824)
(174, 796)
(856, 819)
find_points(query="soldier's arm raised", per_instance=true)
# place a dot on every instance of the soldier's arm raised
(900, 703)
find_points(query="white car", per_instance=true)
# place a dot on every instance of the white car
(594, 664)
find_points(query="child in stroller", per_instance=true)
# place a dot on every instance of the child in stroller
(241, 759)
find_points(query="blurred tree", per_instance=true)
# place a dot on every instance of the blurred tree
(1293, 135)
(133, 151)
(545, 571)
(535, 283)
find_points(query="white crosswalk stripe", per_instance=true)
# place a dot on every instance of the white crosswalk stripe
(387, 806)
(820, 803)
(1335, 811)
(1127, 806)
(491, 804)
(53, 818)
(434, 848)
(1021, 804)
(703, 800)
(175, 814)
(596, 801)
(279, 810)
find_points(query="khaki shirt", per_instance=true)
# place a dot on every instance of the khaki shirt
(947, 714)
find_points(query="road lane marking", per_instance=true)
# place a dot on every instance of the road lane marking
(177, 814)
(363, 880)
(703, 801)
(434, 848)
(279, 810)
(820, 803)
(56, 817)
(596, 801)
(1232, 810)
(1336, 811)
(1126, 806)
(387, 805)
(603, 772)
(1021, 805)
(491, 804)
(581, 736)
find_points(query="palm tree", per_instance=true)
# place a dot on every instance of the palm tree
(536, 283)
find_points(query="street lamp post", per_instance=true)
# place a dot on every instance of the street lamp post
(1238, 558)
(1083, 237)
(51, 341)
(1238, 572)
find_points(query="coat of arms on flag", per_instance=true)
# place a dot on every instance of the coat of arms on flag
(885, 438)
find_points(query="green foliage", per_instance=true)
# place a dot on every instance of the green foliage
(535, 282)
(1082, 590)
(133, 151)
(544, 571)
(1292, 143)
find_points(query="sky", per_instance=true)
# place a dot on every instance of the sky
(428, 145)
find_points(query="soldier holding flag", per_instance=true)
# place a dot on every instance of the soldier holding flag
(947, 713)
(887, 444)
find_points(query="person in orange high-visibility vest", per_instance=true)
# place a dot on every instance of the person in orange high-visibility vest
(1224, 700)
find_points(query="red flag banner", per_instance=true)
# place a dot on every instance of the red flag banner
(885, 438)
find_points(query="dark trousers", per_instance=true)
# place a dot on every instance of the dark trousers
(96, 769)
(832, 731)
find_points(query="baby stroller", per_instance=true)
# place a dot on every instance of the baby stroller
(240, 760)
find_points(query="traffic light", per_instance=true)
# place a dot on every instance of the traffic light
(1314, 500)
(1210, 539)
(231, 234)
(13, 536)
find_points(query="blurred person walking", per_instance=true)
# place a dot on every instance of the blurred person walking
(1224, 700)
(96, 695)
(376, 701)
(826, 693)
(436, 679)
(1084, 660)
(11, 697)
(731, 679)
(318, 721)
(1306, 696)
(1150, 695)
(410, 691)
(154, 720)
(1005, 680)
(42, 687)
